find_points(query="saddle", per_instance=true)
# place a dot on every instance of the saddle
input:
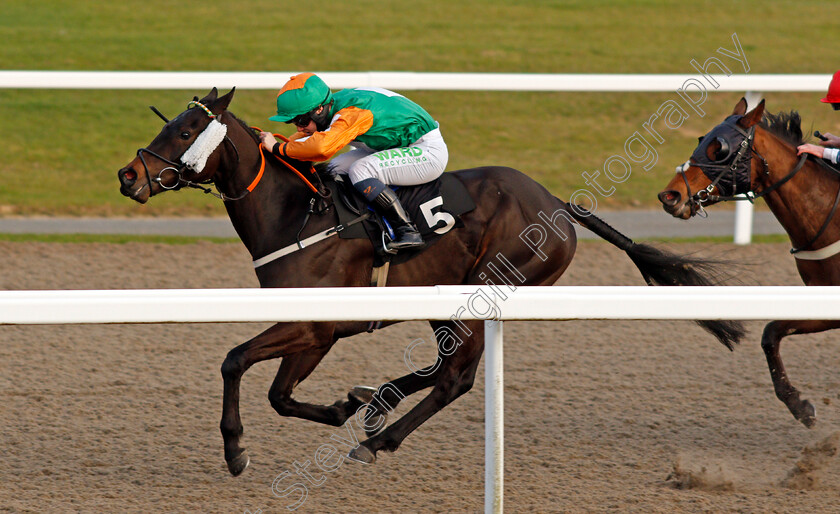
(434, 207)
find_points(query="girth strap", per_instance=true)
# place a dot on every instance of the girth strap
(309, 241)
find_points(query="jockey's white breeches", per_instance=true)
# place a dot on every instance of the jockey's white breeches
(422, 161)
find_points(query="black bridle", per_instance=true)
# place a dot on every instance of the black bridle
(741, 164)
(179, 168)
(731, 173)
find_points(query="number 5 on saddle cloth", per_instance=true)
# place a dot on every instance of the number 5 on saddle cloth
(434, 207)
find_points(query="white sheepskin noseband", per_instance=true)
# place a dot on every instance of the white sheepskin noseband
(205, 144)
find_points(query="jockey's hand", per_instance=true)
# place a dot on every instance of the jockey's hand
(831, 141)
(268, 140)
(811, 149)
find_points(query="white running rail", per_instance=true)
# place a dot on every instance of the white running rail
(421, 303)
(407, 81)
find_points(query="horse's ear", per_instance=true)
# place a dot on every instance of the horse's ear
(741, 108)
(752, 117)
(211, 96)
(222, 103)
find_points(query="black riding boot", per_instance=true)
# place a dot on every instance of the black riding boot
(405, 233)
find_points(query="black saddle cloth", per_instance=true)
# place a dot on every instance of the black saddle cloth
(434, 207)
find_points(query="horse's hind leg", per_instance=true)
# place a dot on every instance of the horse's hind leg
(771, 339)
(391, 393)
(455, 377)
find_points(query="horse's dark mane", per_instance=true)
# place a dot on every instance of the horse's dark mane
(321, 167)
(247, 128)
(786, 125)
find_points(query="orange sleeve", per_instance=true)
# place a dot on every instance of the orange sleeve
(347, 124)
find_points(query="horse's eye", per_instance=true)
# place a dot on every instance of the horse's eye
(718, 150)
(712, 151)
(185, 135)
(722, 149)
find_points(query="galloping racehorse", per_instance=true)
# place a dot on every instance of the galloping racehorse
(266, 202)
(754, 153)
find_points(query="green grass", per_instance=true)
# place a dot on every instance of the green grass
(61, 149)
(553, 36)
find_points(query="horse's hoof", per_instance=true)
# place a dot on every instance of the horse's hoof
(362, 394)
(807, 414)
(362, 454)
(238, 464)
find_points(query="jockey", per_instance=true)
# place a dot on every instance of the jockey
(832, 142)
(395, 142)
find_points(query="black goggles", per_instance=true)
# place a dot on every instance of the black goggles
(301, 120)
(727, 164)
(728, 136)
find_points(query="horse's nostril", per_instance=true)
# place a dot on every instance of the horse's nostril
(669, 198)
(129, 175)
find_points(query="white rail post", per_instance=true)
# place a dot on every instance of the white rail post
(494, 418)
(743, 222)
(743, 209)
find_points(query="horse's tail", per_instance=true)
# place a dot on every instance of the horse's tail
(659, 267)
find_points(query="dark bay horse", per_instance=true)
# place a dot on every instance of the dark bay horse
(756, 153)
(267, 202)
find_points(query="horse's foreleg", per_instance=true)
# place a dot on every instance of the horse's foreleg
(771, 339)
(293, 370)
(279, 340)
(455, 376)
